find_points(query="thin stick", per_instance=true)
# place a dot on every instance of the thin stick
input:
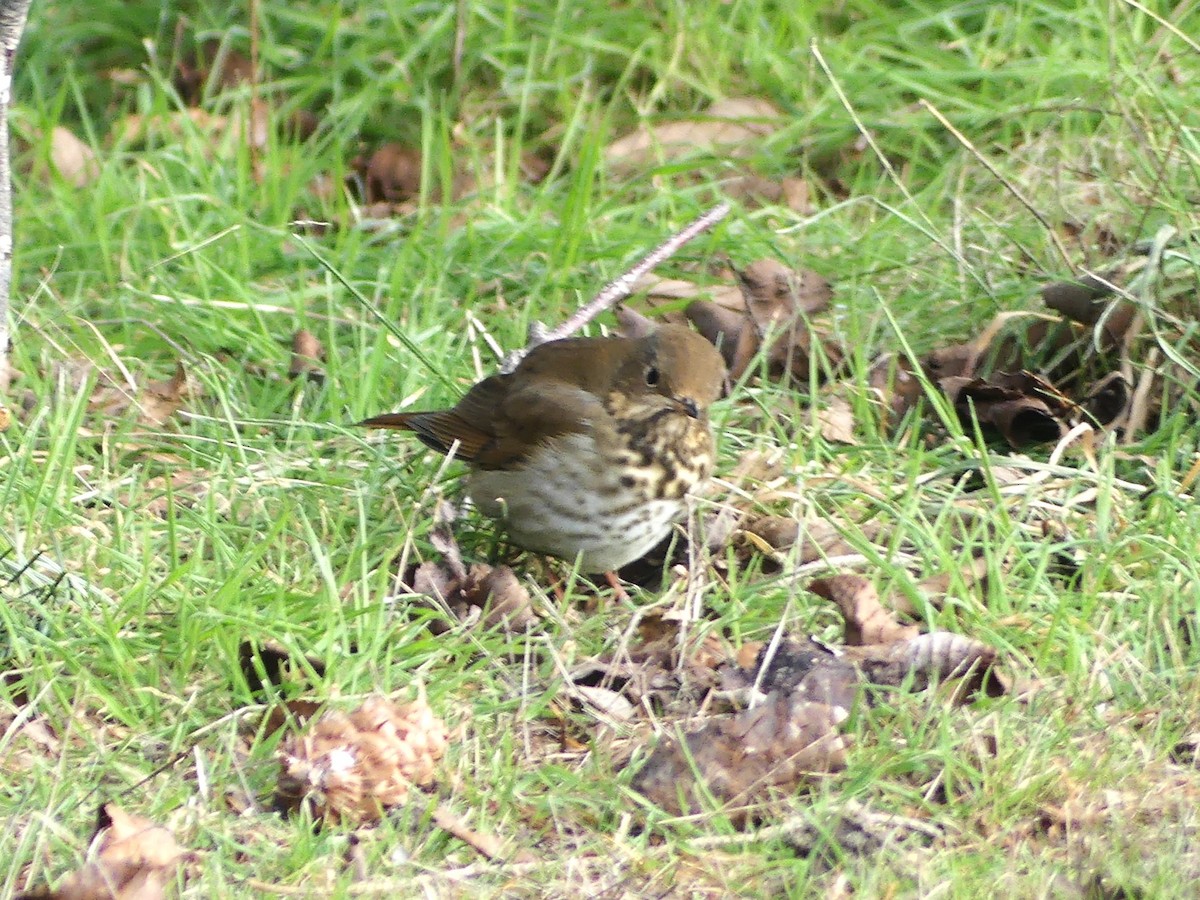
(486, 845)
(620, 287)
(251, 143)
(1009, 186)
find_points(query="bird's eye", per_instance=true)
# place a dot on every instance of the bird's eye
(652, 376)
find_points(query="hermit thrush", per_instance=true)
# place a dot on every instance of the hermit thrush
(588, 449)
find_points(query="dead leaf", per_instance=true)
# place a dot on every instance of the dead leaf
(730, 128)
(499, 594)
(210, 62)
(836, 419)
(775, 301)
(609, 704)
(819, 539)
(74, 160)
(134, 859)
(181, 490)
(754, 190)
(155, 405)
(867, 622)
(27, 743)
(1022, 408)
(392, 174)
(745, 759)
(270, 663)
(937, 656)
(895, 386)
(223, 135)
(307, 356)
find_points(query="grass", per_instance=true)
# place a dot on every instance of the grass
(120, 628)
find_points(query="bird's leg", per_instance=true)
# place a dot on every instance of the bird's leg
(615, 583)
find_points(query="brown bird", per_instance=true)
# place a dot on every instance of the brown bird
(588, 449)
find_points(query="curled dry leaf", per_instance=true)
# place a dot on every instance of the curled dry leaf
(855, 830)
(490, 595)
(729, 128)
(820, 539)
(1010, 406)
(155, 404)
(182, 490)
(27, 742)
(307, 356)
(660, 669)
(867, 622)
(836, 419)
(498, 592)
(895, 386)
(134, 859)
(392, 174)
(754, 190)
(775, 301)
(937, 656)
(270, 663)
(74, 160)
(352, 768)
(210, 63)
(747, 758)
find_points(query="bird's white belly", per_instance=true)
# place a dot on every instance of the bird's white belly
(568, 502)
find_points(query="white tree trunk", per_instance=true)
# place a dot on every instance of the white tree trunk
(12, 23)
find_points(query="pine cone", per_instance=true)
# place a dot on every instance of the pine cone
(354, 767)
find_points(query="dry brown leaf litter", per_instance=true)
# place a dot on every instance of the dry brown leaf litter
(132, 859)
(308, 355)
(790, 734)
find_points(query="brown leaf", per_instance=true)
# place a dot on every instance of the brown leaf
(269, 662)
(1021, 407)
(751, 190)
(723, 328)
(155, 404)
(821, 538)
(774, 292)
(778, 302)
(501, 596)
(393, 174)
(74, 160)
(490, 596)
(897, 388)
(307, 356)
(729, 128)
(1107, 401)
(836, 419)
(181, 490)
(745, 759)
(937, 656)
(867, 622)
(134, 860)
(224, 67)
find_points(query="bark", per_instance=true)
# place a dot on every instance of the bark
(12, 24)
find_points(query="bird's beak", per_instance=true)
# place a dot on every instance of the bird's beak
(689, 407)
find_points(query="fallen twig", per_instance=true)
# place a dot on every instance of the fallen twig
(617, 289)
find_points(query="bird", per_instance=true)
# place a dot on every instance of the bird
(589, 448)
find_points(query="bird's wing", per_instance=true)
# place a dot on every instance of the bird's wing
(535, 412)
